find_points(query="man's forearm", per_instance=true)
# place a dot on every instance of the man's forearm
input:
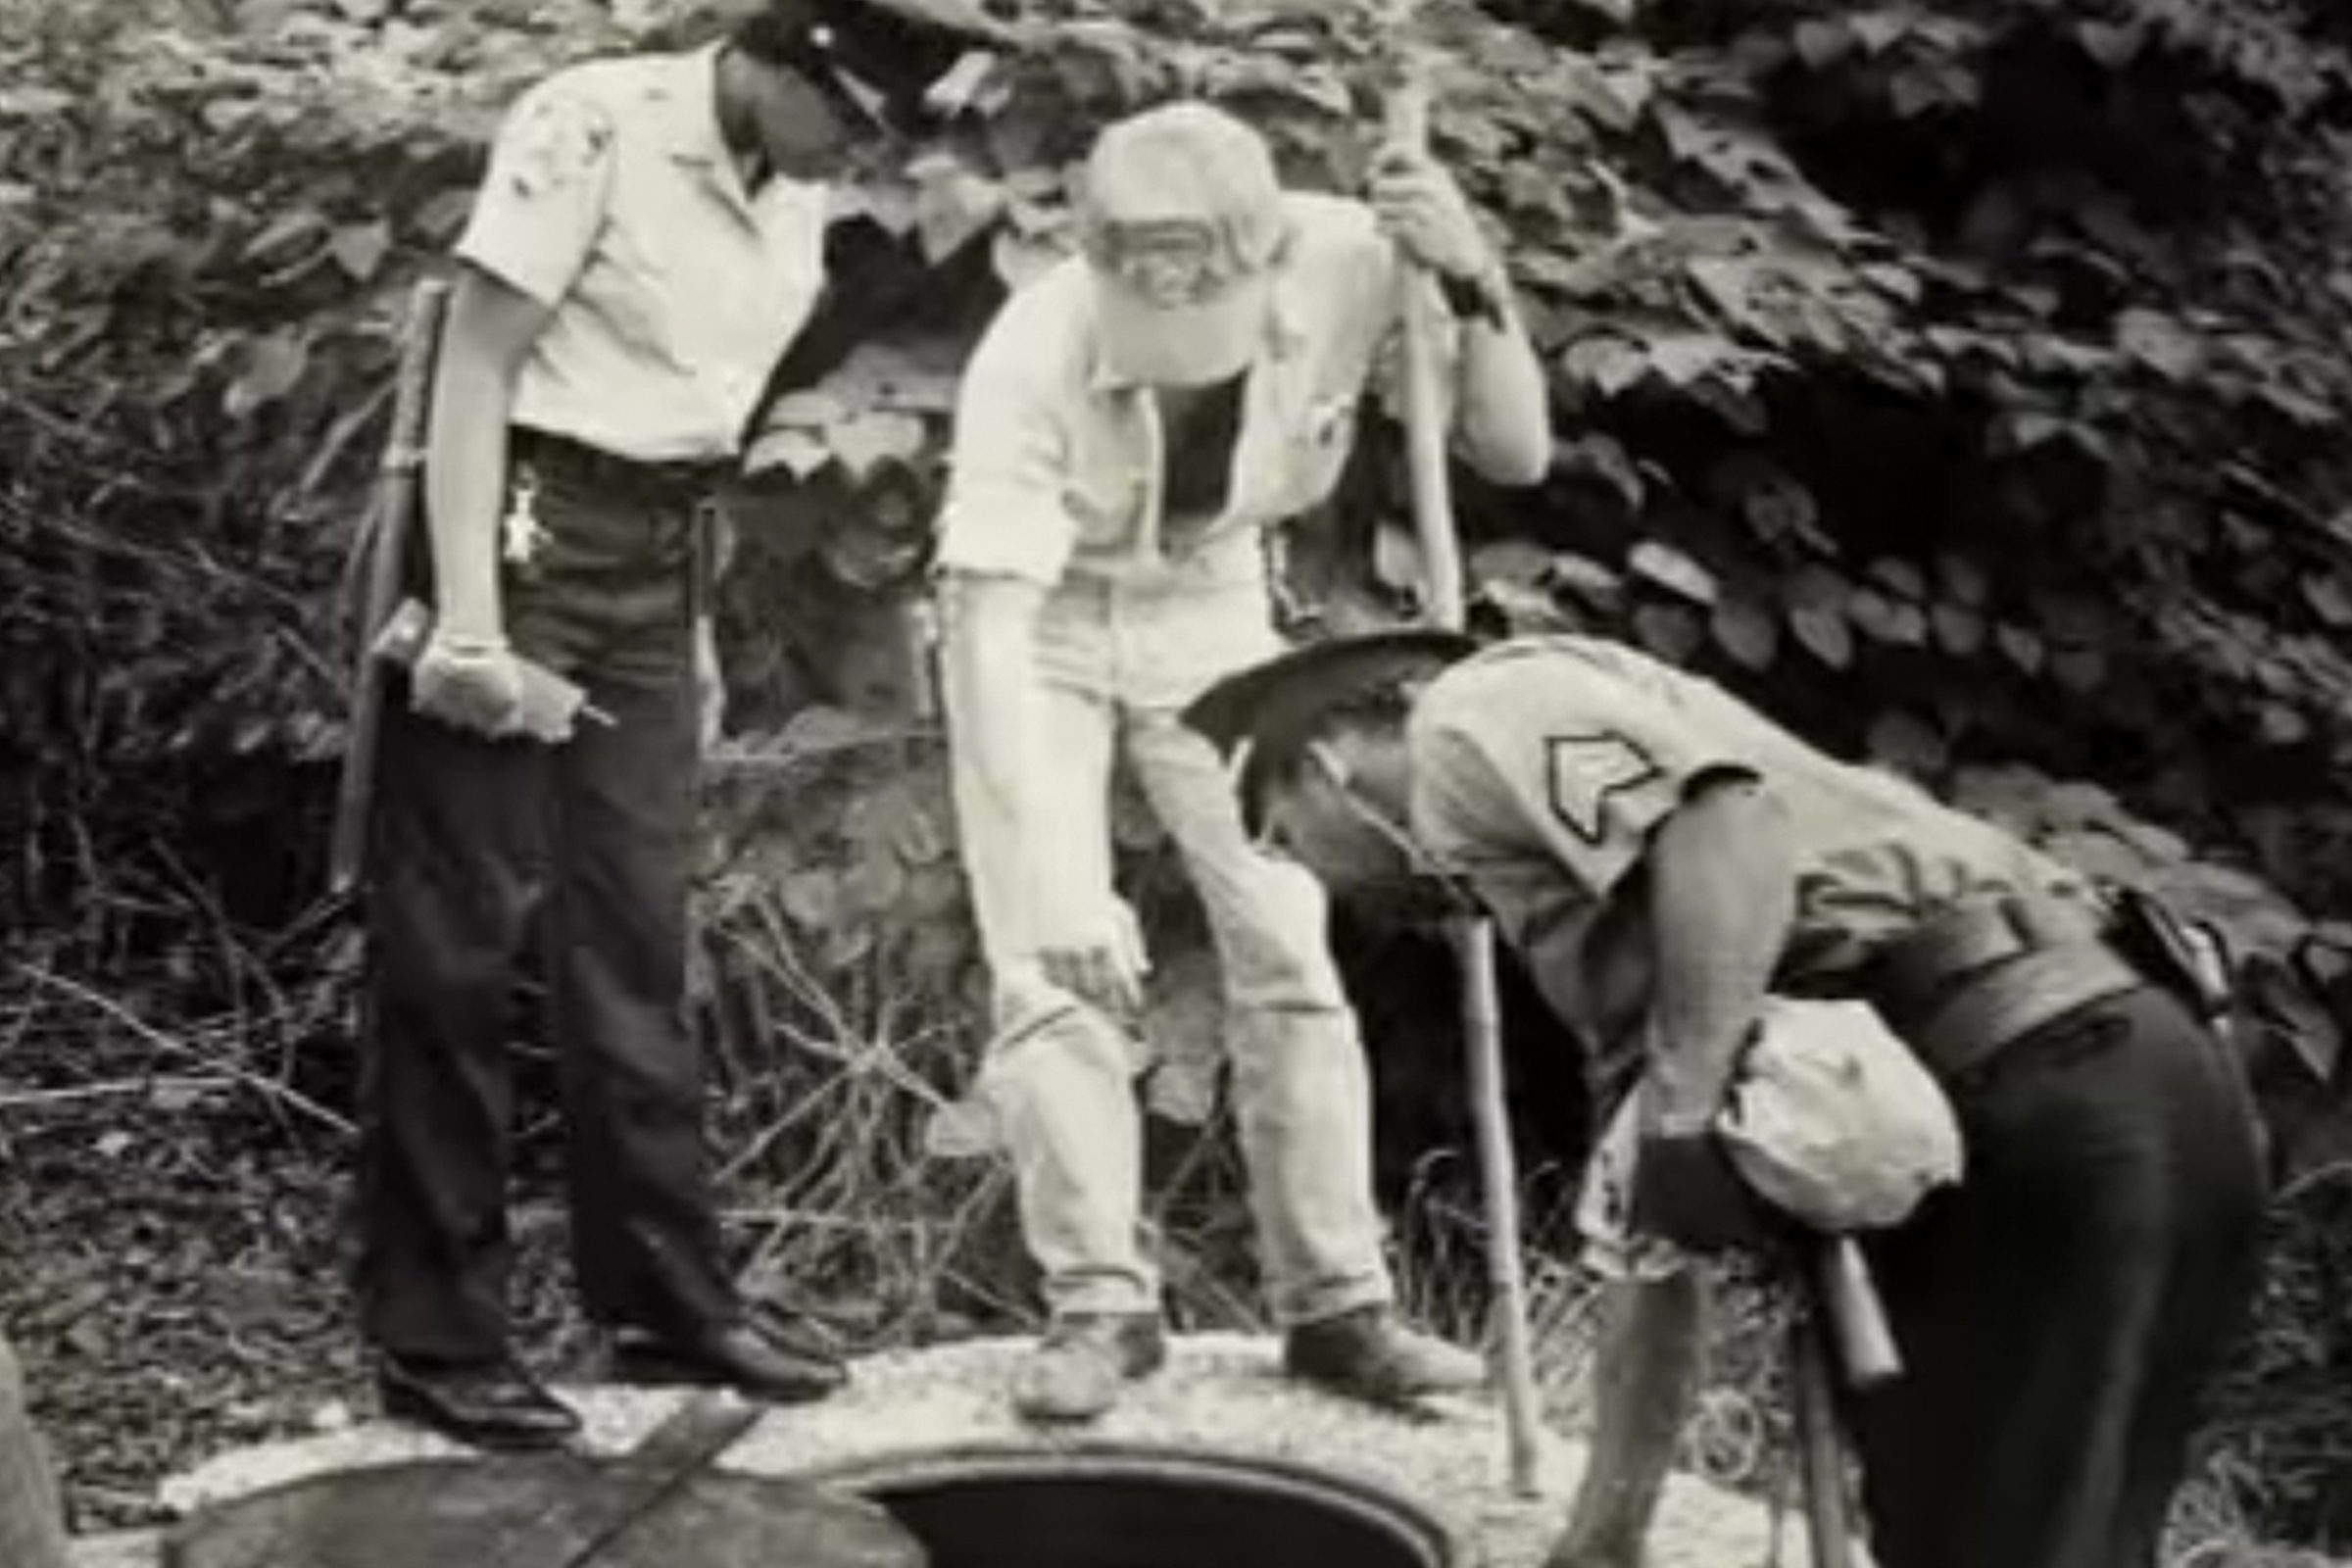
(1723, 893)
(1505, 418)
(1646, 1362)
(986, 671)
(485, 337)
(465, 491)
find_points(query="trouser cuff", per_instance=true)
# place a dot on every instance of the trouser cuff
(1315, 1305)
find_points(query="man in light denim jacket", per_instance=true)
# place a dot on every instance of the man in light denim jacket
(1132, 424)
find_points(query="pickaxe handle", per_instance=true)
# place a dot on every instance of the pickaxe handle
(1408, 108)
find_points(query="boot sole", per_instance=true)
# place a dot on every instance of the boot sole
(654, 1370)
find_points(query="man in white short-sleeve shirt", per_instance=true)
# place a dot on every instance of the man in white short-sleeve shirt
(647, 243)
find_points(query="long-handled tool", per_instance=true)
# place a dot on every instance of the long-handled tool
(1473, 938)
(1846, 1321)
(1820, 1447)
(380, 568)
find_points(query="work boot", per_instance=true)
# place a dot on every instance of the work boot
(1076, 1370)
(491, 1405)
(1365, 1353)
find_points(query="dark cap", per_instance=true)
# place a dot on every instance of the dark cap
(968, 19)
(896, 47)
(1274, 709)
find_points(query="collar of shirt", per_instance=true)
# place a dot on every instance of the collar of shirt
(687, 94)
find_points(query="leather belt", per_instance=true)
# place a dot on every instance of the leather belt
(680, 483)
(1978, 977)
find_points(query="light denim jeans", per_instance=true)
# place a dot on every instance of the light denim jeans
(1115, 663)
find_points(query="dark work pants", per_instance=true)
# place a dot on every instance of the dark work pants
(2061, 1310)
(489, 856)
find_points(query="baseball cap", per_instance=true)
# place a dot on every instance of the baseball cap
(1179, 213)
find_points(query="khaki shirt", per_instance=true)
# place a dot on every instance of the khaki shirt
(1541, 769)
(611, 199)
(1057, 463)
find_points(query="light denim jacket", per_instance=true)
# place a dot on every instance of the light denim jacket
(1056, 465)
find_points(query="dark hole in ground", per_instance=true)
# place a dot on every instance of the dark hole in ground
(1143, 1510)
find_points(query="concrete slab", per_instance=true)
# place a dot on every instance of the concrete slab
(1221, 1394)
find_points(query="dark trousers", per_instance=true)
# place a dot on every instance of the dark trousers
(490, 856)
(2061, 1310)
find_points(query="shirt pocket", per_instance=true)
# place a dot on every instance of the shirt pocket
(1104, 489)
(633, 277)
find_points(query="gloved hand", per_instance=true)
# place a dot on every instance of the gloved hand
(1423, 209)
(1687, 1191)
(473, 683)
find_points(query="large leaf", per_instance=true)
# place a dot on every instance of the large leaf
(1669, 568)
(952, 205)
(273, 367)
(360, 249)
(1747, 632)
(1674, 632)
(1824, 632)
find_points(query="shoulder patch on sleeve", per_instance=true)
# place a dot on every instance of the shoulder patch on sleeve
(557, 140)
(1584, 770)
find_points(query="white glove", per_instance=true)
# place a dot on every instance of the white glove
(473, 683)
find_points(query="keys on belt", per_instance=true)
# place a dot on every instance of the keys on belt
(521, 532)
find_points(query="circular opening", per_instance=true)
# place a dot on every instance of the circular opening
(1141, 1509)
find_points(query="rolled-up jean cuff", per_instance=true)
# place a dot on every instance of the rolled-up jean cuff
(1317, 1303)
(1106, 1297)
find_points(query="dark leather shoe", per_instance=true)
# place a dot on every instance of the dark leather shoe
(491, 1405)
(754, 1359)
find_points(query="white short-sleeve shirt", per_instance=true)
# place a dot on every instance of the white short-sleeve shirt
(611, 199)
